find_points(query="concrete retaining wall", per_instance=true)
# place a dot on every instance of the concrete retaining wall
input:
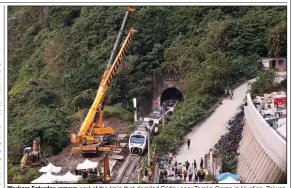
(262, 151)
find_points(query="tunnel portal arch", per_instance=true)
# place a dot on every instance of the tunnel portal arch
(171, 93)
(167, 85)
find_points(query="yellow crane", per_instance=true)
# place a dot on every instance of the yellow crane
(94, 137)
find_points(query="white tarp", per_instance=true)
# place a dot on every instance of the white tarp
(70, 178)
(229, 180)
(87, 164)
(50, 168)
(43, 179)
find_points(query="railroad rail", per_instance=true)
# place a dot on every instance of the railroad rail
(127, 169)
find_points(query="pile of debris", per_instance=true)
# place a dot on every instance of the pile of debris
(227, 146)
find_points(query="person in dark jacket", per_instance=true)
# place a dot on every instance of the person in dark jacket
(188, 143)
(194, 164)
(187, 164)
(201, 163)
(146, 171)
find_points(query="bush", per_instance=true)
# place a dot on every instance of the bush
(91, 180)
(84, 100)
(181, 122)
(210, 177)
(22, 176)
(264, 84)
(115, 111)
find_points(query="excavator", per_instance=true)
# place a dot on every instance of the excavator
(32, 156)
(93, 137)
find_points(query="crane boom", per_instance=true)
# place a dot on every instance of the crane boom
(119, 37)
(112, 56)
(104, 85)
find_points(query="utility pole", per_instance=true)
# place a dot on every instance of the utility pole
(135, 110)
(149, 149)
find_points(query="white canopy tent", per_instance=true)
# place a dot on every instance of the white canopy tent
(53, 177)
(229, 180)
(69, 178)
(87, 164)
(50, 168)
(43, 179)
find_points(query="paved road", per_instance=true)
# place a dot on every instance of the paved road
(206, 135)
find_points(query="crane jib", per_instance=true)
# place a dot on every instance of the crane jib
(106, 83)
(118, 61)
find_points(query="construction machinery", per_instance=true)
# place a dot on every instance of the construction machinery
(32, 156)
(93, 137)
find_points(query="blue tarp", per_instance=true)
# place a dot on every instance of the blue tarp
(225, 175)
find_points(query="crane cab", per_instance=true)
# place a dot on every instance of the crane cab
(27, 150)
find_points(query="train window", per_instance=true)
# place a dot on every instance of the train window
(137, 139)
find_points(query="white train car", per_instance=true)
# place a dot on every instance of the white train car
(155, 116)
(138, 140)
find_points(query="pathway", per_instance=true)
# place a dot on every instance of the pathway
(204, 136)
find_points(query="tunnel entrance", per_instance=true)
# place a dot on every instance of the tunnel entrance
(171, 93)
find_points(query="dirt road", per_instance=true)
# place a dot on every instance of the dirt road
(204, 136)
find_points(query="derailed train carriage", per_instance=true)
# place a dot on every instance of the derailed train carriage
(138, 140)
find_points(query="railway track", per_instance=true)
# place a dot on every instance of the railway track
(127, 169)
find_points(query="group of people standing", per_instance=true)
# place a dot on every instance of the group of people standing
(189, 172)
(228, 93)
(186, 172)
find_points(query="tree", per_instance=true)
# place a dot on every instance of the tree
(264, 84)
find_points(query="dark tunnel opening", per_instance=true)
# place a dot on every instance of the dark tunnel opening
(171, 93)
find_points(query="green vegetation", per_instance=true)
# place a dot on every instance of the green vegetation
(57, 56)
(18, 175)
(264, 84)
(210, 177)
(115, 111)
(91, 180)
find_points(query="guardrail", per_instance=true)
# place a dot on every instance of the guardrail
(272, 143)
